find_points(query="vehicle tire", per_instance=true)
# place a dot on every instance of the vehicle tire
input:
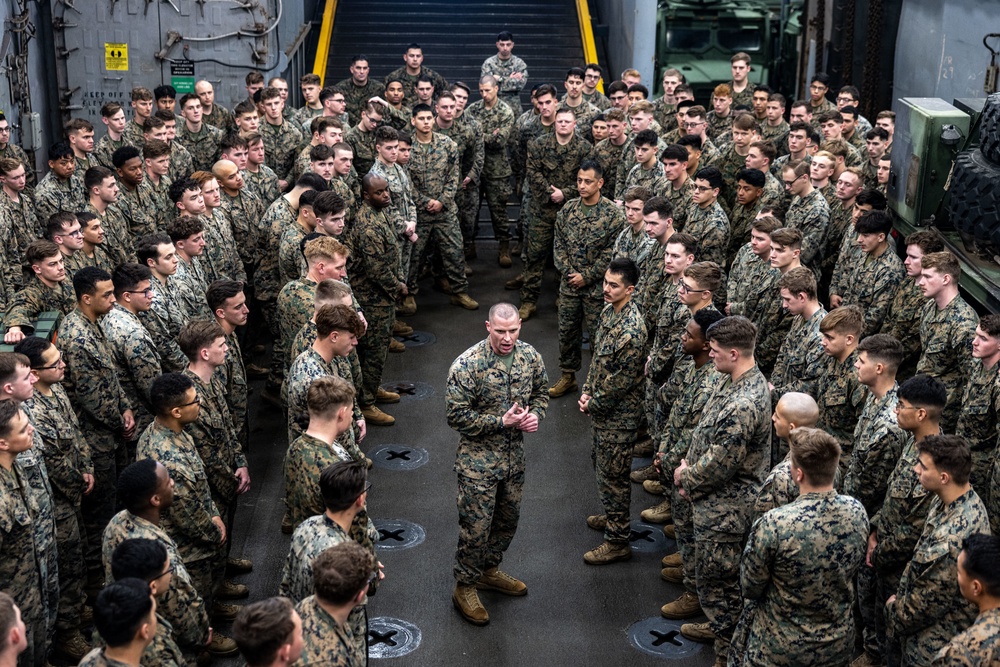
(975, 196)
(989, 129)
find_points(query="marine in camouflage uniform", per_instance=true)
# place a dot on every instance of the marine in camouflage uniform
(306, 458)
(741, 221)
(243, 210)
(501, 70)
(710, 226)
(776, 134)
(326, 642)
(614, 385)
(928, 611)
(18, 227)
(681, 200)
(92, 384)
(139, 207)
(872, 285)
(67, 459)
(841, 227)
(634, 245)
(609, 155)
(23, 565)
(638, 176)
(409, 81)
(164, 210)
(189, 287)
(377, 281)
(841, 399)
(550, 164)
(584, 244)
(496, 125)
(307, 367)
(180, 604)
(281, 145)
(363, 144)
(12, 150)
(798, 568)
(163, 321)
(105, 148)
(220, 118)
(36, 298)
(978, 423)
(356, 97)
(136, 358)
(811, 216)
(263, 183)
(728, 458)
(189, 520)
(118, 242)
(976, 645)
(221, 257)
(181, 163)
(202, 146)
(878, 443)
(801, 358)
(627, 161)
(946, 340)
(482, 386)
(902, 322)
(295, 307)
(56, 194)
(402, 209)
(467, 134)
(434, 171)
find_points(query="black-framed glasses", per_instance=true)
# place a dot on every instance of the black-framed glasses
(372, 577)
(684, 287)
(368, 487)
(196, 401)
(790, 183)
(58, 362)
(148, 291)
(169, 570)
(703, 188)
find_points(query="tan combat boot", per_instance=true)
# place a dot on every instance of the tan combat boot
(464, 300)
(565, 384)
(466, 600)
(597, 521)
(653, 486)
(71, 644)
(386, 396)
(409, 306)
(643, 474)
(659, 514)
(526, 311)
(672, 560)
(607, 553)
(376, 417)
(686, 606)
(514, 284)
(674, 575)
(396, 347)
(504, 258)
(400, 328)
(699, 632)
(497, 580)
(222, 645)
(230, 590)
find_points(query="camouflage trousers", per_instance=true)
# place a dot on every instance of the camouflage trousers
(612, 457)
(684, 530)
(467, 201)
(373, 348)
(577, 309)
(539, 237)
(874, 590)
(276, 372)
(99, 506)
(496, 191)
(405, 254)
(445, 237)
(28, 596)
(72, 570)
(717, 578)
(488, 511)
(207, 575)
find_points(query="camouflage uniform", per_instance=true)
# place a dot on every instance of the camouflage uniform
(295, 307)
(221, 258)
(671, 318)
(878, 443)
(584, 237)
(243, 211)
(67, 459)
(189, 520)
(118, 242)
(139, 207)
(376, 279)
(650, 288)
(750, 277)
(730, 163)
(203, 146)
(181, 163)
(434, 171)
(363, 144)
(627, 161)
(841, 398)
(638, 176)
(776, 134)
(189, 288)
(14, 151)
(798, 568)
(689, 387)
(635, 246)
(54, 194)
(326, 642)
(902, 322)
(281, 145)
(811, 216)
(774, 192)
(180, 604)
(801, 358)
(409, 81)
(164, 321)
(79, 259)
(779, 488)
(741, 221)
(220, 118)
(132, 135)
(497, 125)
(105, 148)
(682, 202)
(92, 383)
(978, 423)
(233, 376)
(872, 285)
(946, 339)
(467, 134)
(710, 226)
(841, 227)
(549, 165)
(306, 458)
(18, 227)
(402, 210)
(36, 298)
(928, 611)
(614, 384)
(609, 155)
(307, 367)
(164, 210)
(357, 96)
(501, 70)
(263, 183)
(728, 458)
(280, 215)
(976, 645)
(136, 358)
(599, 100)
(489, 461)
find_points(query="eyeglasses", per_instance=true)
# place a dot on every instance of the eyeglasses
(5, 130)
(59, 362)
(196, 401)
(844, 98)
(694, 124)
(684, 287)
(169, 570)
(703, 188)
(616, 98)
(148, 291)
(899, 407)
(372, 577)
(790, 183)
(77, 234)
(818, 86)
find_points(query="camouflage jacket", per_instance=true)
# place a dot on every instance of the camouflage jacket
(327, 643)
(63, 447)
(280, 215)
(18, 227)
(779, 488)
(54, 194)
(244, 211)
(501, 70)
(811, 216)
(233, 376)
(750, 280)
(584, 244)
(189, 519)
(480, 390)
(189, 288)
(36, 298)
(496, 126)
(841, 398)
(468, 137)
(105, 148)
(164, 321)
(615, 378)
(118, 242)
(946, 340)
(878, 443)
(609, 155)
(363, 144)
(979, 644)
(841, 226)
(221, 258)
(872, 285)
(900, 521)
(730, 163)
(801, 359)
(776, 134)
(136, 358)
(281, 145)
(635, 246)
(263, 183)
(741, 221)
(729, 456)
(403, 207)
(315, 534)
(180, 603)
(550, 164)
(627, 161)
(671, 318)
(409, 81)
(695, 387)
(649, 289)
(902, 322)
(434, 170)
(978, 422)
(376, 273)
(164, 210)
(203, 145)
(710, 227)
(139, 207)
(527, 127)
(306, 458)
(91, 376)
(682, 202)
(928, 610)
(79, 259)
(357, 96)
(181, 163)
(637, 176)
(799, 565)
(295, 307)
(215, 439)
(220, 117)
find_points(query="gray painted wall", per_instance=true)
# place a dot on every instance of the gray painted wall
(632, 41)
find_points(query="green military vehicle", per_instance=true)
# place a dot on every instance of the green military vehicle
(699, 37)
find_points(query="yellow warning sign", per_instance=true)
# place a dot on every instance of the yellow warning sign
(115, 57)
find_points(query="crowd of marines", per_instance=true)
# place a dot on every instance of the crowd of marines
(821, 414)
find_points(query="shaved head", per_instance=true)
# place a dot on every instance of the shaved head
(799, 409)
(224, 168)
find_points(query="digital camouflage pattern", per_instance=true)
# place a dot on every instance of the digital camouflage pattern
(54, 194)
(36, 298)
(710, 226)
(976, 645)
(801, 358)
(328, 643)
(872, 285)
(977, 422)
(202, 146)
(164, 321)
(281, 145)
(841, 399)
(902, 322)
(811, 216)
(946, 340)
(878, 443)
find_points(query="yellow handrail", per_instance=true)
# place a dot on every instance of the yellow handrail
(587, 34)
(323, 48)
